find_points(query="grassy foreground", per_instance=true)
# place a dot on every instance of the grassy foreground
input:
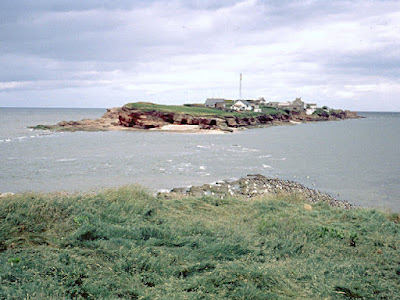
(127, 244)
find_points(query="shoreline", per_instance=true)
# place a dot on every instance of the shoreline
(258, 186)
(248, 187)
(167, 119)
(171, 128)
(194, 129)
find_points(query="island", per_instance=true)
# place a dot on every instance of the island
(200, 118)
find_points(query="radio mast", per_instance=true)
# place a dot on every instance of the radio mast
(240, 87)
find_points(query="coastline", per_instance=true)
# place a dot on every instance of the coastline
(247, 187)
(195, 129)
(152, 117)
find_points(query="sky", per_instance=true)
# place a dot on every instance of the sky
(105, 53)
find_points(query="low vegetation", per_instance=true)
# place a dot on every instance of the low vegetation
(326, 112)
(193, 110)
(128, 244)
(273, 111)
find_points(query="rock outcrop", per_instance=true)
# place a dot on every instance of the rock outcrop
(109, 121)
(125, 118)
(257, 186)
(152, 119)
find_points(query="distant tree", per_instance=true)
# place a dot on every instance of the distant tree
(325, 107)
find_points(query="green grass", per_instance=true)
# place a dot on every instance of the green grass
(191, 110)
(272, 110)
(127, 244)
(325, 113)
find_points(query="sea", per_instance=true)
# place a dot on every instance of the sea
(357, 160)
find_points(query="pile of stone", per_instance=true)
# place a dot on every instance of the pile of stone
(258, 185)
(3, 195)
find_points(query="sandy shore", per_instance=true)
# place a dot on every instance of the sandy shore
(187, 129)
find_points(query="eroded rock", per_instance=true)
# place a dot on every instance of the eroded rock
(123, 118)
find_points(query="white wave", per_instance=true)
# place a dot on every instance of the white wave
(266, 166)
(8, 140)
(250, 150)
(201, 146)
(185, 164)
(32, 136)
(265, 156)
(241, 150)
(169, 160)
(21, 137)
(231, 179)
(202, 167)
(66, 159)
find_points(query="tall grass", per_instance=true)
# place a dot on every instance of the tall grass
(125, 243)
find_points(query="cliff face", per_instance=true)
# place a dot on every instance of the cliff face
(153, 119)
(125, 118)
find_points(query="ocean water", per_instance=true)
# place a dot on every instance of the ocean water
(355, 160)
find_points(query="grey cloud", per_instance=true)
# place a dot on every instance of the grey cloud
(373, 63)
(56, 45)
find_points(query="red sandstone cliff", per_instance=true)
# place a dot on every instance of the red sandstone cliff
(123, 118)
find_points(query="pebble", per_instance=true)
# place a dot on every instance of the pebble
(258, 185)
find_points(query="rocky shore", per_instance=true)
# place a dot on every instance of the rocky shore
(130, 118)
(258, 185)
(152, 119)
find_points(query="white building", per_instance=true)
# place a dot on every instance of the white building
(311, 108)
(246, 105)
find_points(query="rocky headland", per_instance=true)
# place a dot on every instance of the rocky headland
(253, 186)
(145, 116)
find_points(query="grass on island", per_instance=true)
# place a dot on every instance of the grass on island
(127, 244)
(267, 110)
(197, 110)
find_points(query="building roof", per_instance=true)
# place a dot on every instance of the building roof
(213, 101)
(246, 102)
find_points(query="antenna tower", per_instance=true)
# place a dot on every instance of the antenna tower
(240, 87)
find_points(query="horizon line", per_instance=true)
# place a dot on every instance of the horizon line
(59, 107)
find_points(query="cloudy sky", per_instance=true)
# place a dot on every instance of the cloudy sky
(93, 53)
